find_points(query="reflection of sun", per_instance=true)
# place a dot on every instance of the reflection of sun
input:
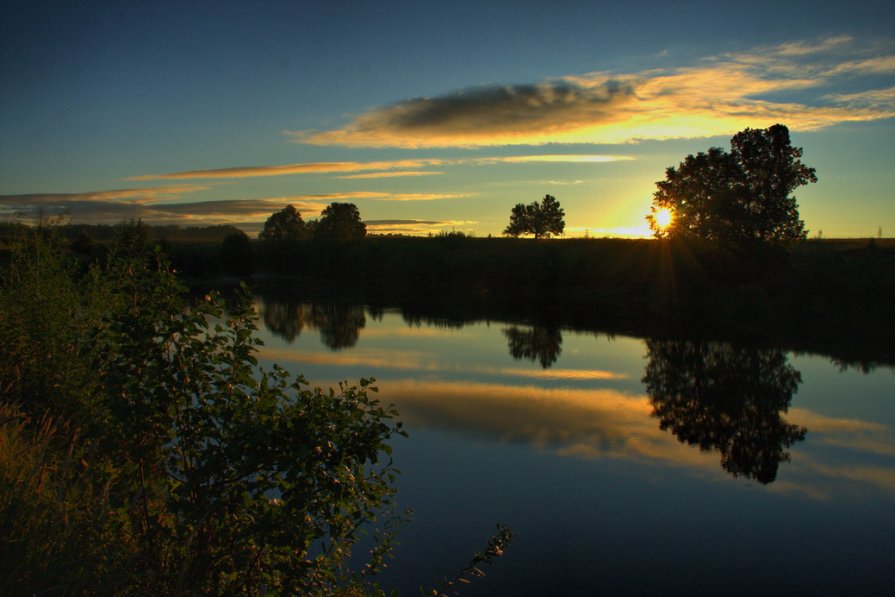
(663, 218)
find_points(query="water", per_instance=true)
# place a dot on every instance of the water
(622, 465)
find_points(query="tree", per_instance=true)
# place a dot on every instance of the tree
(284, 225)
(149, 452)
(340, 222)
(540, 219)
(144, 450)
(742, 196)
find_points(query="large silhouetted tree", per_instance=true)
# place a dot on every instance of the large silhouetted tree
(340, 222)
(541, 219)
(740, 196)
(724, 398)
(284, 225)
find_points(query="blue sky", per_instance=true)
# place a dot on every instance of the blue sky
(431, 115)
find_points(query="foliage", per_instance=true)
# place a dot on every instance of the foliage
(284, 225)
(539, 219)
(340, 223)
(497, 544)
(51, 513)
(149, 432)
(741, 196)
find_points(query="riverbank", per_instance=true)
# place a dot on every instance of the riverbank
(829, 296)
(834, 295)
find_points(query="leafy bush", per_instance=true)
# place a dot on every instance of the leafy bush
(145, 426)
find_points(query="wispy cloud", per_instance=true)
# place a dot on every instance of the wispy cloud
(372, 170)
(416, 227)
(556, 158)
(138, 195)
(324, 198)
(111, 205)
(718, 96)
(285, 169)
(392, 174)
(166, 205)
(804, 48)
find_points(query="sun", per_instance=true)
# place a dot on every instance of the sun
(662, 218)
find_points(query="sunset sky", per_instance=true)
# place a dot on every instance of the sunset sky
(433, 116)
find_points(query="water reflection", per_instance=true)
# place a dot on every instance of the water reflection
(540, 343)
(339, 324)
(725, 398)
(284, 319)
(589, 404)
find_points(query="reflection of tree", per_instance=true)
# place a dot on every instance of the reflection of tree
(539, 343)
(725, 398)
(284, 319)
(339, 325)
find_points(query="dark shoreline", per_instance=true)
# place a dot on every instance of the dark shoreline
(835, 298)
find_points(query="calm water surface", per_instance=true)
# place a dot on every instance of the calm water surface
(623, 465)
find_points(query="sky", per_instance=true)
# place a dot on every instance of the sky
(433, 116)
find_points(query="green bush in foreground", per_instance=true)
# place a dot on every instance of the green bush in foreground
(142, 448)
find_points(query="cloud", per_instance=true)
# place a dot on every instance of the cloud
(556, 158)
(804, 48)
(416, 227)
(393, 174)
(374, 196)
(369, 170)
(155, 205)
(419, 196)
(285, 169)
(718, 96)
(138, 195)
(110, 206)
(165, 205)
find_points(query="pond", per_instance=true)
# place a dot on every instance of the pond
(623, 465)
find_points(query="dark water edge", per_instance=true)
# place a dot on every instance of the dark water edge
(849, 325)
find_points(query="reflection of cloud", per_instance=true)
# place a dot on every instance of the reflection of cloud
(558, 374)
(371, 359)
(592, 424)
(381, 359)
(600, 423)
(865, 436)
(719, 96)
(604, 423)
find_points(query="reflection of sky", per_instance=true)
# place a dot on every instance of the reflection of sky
(591, 403)
(602, 500)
